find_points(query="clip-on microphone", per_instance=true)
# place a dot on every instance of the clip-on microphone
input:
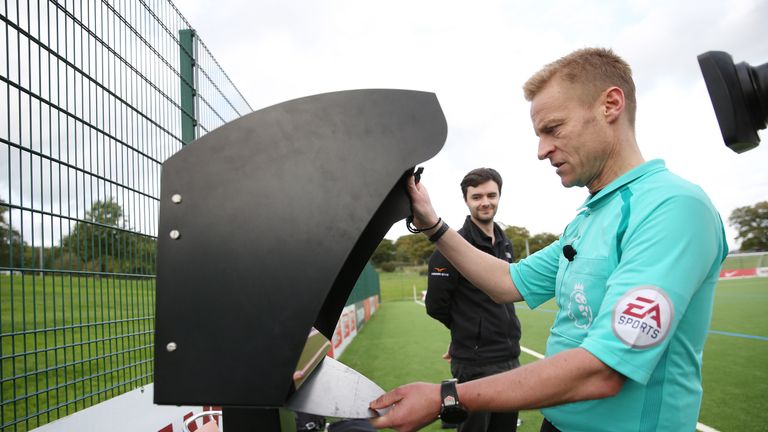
(569, 252)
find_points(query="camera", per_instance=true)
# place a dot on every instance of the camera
(739, 94)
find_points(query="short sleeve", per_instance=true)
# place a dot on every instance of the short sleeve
(535, 276)
(666, 258)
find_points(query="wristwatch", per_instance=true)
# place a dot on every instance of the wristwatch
(451, 410)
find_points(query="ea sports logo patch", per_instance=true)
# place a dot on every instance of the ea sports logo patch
(642, 317)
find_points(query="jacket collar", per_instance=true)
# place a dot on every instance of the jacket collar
(478, 236)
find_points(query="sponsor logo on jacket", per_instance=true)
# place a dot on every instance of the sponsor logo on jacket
(440, 272)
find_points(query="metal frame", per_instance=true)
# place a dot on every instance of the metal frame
(90, 107)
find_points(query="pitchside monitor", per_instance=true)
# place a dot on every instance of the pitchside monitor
(265, 225)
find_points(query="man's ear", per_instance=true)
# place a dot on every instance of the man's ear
(613, 104)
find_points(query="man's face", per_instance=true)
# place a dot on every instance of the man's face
(482, 201)
(572, 133)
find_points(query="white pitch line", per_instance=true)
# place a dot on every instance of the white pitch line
(699, 426)
(531, 352)
(704, 428)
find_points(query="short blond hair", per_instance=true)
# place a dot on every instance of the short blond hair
(594, 69)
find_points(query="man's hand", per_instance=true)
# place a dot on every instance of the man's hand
(447, 355)
(424, 215)
(485, 271)
(411, 407)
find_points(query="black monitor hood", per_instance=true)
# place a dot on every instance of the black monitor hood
(265, 225)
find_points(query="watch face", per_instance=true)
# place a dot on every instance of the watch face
(453, 414)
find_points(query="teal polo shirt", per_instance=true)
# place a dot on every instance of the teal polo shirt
(637, 295)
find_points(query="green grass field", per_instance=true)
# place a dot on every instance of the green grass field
(401, 285)
(97, 343)
(402, 344)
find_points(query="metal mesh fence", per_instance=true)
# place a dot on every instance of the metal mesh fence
(95, 95)
(748, 260)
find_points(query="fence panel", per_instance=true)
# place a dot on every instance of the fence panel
(95, 95)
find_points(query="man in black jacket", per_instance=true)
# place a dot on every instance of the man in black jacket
(485, 336)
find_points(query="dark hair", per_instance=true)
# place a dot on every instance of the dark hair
(478, 176)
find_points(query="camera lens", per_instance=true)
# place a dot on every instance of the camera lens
(739, 95)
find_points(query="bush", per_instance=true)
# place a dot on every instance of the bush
(388, 267)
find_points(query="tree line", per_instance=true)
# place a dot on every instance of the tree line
(102, 242)
(415, 249)
(750, 222)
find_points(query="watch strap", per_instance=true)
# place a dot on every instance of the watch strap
(448, 394)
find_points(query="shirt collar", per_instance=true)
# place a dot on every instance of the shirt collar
(478, 236)
(628, 177)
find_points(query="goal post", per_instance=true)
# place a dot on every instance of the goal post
(746, 260)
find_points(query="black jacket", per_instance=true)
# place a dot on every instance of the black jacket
(482, 331)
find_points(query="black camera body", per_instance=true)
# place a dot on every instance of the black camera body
(739, 94)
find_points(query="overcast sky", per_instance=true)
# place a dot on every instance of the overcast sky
(476, 55)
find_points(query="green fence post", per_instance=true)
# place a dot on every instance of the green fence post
(188, 91)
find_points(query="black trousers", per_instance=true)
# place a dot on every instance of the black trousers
(546, 426)
(485, 421)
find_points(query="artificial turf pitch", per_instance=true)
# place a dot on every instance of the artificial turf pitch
(402, 344)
